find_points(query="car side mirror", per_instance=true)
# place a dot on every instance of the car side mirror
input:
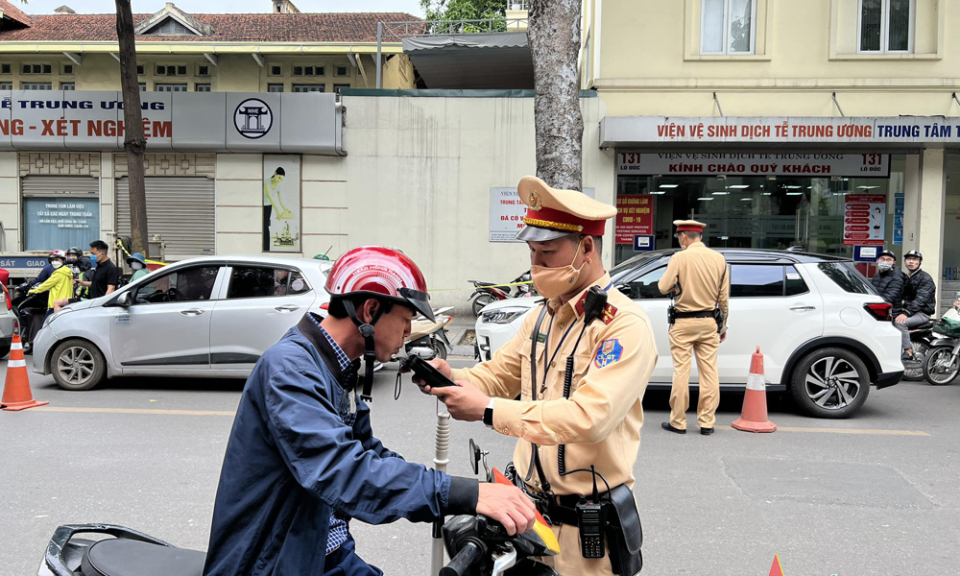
(624, 289)
(125, 300)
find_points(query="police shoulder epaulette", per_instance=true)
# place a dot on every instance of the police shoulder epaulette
(609, 313)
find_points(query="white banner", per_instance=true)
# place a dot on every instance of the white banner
(800, 164)
(507, 212)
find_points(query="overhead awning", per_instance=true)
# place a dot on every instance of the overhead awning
(472, 61)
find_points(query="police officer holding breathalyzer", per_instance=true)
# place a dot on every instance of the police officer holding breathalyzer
(580, 365)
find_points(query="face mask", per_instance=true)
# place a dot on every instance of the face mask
(553, 282)
(136, 265)
(56, 264)
(884, 266)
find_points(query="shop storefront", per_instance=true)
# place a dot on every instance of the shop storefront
(825, 202)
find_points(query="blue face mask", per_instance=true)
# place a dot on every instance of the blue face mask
(884, 266)
(93, 259)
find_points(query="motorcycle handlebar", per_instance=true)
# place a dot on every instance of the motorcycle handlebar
(461, 563)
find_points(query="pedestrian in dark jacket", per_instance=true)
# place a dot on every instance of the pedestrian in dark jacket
(889, 281)
(919, 300)
(302, 461)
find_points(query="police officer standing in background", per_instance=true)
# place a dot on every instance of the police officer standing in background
(697, 278)
(580, 365)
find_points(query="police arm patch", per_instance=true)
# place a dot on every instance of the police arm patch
(609, 352)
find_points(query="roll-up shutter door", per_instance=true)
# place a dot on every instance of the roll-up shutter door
(60, 211)
(53, 186)
(181, 210)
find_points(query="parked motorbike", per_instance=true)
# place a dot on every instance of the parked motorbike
(488, 292)
(921, 340)
(941, 364)
(429, 339)
(29, 310)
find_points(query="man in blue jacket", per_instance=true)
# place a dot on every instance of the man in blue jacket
(302, 460)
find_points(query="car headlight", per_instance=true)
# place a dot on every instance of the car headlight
(54, 316)
(503, 316)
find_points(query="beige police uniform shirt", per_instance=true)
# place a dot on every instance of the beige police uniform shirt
(699, 271)
(600, 422)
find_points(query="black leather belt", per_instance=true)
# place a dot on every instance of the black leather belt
(700, 314)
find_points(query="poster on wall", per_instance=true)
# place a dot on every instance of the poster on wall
(898, 219)
(281, 203)
(864, 219)
(634, 217)
(53, 223)
(507, 212)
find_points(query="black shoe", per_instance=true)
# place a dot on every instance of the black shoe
(706, 431)
(669, 428)
(906, 357)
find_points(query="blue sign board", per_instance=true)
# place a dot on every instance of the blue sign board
(898, 219)
(866, 253)
(37, 262)
(58, 223)
(643, 243)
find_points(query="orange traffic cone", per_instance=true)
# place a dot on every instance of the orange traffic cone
(753, 417)
(16, 389)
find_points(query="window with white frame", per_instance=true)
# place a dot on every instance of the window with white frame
(728, 26)
(36, 86)
(885, 26)
(6, 85)
(170, 87)
(201, 88)
(68, 86)
(309, 88)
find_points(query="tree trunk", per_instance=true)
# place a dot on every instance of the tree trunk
(133, 141)
(554, 38)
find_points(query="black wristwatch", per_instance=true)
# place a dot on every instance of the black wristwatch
(488, 414)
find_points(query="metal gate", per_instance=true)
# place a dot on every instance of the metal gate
(180, 209)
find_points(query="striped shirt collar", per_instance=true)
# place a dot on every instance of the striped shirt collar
(342, 359)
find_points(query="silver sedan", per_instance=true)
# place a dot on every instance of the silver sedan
(204, 317)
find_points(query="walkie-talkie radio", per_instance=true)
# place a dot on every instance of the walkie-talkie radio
(591, 523)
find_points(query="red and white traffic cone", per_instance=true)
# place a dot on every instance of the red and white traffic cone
(16, 388)
(753, 417)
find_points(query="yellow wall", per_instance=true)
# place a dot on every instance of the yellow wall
(649, 62)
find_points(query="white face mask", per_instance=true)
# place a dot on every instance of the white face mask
(136, 265)
(56, 264)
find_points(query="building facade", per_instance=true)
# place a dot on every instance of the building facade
(829, 125)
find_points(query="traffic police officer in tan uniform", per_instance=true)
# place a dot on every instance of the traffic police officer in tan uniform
(596, 422)
(697, 278)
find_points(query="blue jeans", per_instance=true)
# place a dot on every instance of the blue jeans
(344, 562)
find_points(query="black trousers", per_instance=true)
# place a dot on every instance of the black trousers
(267, 213)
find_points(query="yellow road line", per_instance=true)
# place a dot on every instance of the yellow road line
(866, 431)
(135, 411)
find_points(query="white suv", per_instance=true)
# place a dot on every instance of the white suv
(825, 333)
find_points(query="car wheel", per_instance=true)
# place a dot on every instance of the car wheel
(940, 367)
(481, 301)
(4, 350)
(830, 383)
(913, 371)
(77, 365)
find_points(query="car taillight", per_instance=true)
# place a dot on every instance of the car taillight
(325, 306)
(6, 297)
(879, 310)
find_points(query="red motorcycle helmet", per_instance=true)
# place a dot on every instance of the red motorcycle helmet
(382, 273)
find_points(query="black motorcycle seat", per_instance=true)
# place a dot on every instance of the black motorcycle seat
(123, 557)
(926, 325)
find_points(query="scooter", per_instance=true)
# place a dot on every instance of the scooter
(429, 340)
(921, 340)
(29, 310)
(485, 293)
(941, 364)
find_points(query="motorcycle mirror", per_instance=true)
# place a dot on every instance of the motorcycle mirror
(474, 456)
